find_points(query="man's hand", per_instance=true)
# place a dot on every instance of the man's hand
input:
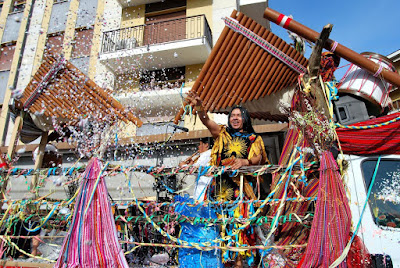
(240, 162)
(194, 99)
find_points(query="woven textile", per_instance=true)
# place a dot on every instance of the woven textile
(237, 27)
(376, 136)
(332, 219)
(92, 239)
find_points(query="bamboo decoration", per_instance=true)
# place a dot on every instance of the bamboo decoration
(69, 95)
(238, 69)
(194, 157)
(333, 46)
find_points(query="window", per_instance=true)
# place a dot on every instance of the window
(384, 199)
(18, 6)
(82, 43)
(164, 5)
(162, 79)
(54, 43)
(6, 56)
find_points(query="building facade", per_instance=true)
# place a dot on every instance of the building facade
(147, 53)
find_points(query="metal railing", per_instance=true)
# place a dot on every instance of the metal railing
(157, 33)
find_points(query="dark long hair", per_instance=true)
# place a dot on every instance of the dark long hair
(247, 127)
(208, 140)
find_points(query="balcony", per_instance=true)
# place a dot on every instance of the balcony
(165, 44)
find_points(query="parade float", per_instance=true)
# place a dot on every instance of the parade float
(304, 211)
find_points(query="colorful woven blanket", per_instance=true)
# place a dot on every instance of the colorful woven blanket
(372, 137)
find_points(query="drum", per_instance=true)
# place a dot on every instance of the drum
(370, 87)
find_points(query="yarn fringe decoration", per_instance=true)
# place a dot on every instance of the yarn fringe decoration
(332, 220)
(294, 233)
(92, 239)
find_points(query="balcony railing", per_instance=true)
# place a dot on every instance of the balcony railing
(157, 33)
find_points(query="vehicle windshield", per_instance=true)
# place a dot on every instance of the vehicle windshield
(384, 199)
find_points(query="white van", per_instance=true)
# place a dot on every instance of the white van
(380, 223)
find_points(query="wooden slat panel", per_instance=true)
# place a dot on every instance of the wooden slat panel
(70, 95)
(238, 70)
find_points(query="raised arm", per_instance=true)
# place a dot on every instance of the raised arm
(198, 104)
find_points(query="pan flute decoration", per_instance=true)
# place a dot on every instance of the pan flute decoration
(60, 91)
(248, 62)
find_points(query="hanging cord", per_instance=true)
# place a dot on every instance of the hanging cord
(187, 109)
(274, 224)
(370, 126)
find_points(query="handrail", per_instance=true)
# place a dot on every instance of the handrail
(186, 28)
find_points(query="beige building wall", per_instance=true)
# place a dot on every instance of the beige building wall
(44, 25)
(69, 34)
(130, 17)
(97, 39)
(116, 18)
(220, 9)
(198, 7)
(111, 21)
(29, 64)
(133, 16)
(3, 16)
(4, 131)
(191, 74)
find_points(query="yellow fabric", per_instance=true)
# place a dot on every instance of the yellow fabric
(256, 148)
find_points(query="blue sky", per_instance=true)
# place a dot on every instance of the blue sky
(362, 26)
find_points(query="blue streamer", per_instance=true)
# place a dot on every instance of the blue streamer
(366, 200)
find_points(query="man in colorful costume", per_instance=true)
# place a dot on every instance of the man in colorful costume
(236, 145)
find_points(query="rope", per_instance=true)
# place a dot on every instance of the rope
(283, 219)
(8, 240)
(369, 126)
(164, 171)
(232, 248)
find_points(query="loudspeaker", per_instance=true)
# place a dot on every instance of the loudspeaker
(349, 110)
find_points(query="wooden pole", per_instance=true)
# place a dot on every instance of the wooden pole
(340, 50)
(314, 66)
(14, 136)
(13, 143)
(39, 159)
